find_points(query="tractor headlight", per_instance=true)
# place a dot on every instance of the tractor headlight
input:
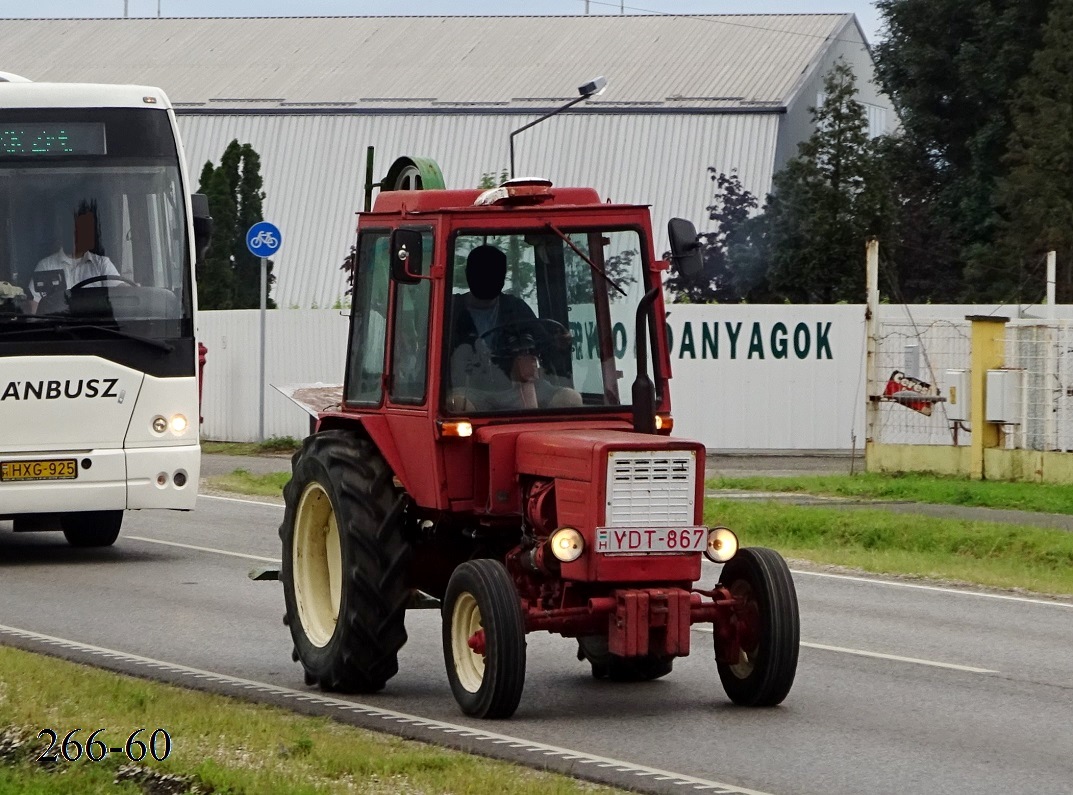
(722, 545)
(567, 544)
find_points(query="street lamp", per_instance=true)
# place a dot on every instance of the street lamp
(586, 90)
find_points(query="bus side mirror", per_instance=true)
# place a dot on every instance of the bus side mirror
(199, 204)
(686, 253)
(406, 256)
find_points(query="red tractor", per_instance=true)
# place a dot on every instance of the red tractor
(501, 451)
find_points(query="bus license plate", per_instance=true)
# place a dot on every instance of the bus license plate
(626, 540)
(52, 469)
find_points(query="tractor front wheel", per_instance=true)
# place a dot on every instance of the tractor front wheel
(484, 639)
(344, 564)
(767, 626)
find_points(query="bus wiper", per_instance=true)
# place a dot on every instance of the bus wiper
(585, 257)
(29, 324)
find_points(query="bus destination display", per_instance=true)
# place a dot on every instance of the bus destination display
(51, 139)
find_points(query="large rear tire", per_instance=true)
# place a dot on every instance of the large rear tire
(482, 607)
(768, 625)
(606, 665)
(344, 564)
(91, 528)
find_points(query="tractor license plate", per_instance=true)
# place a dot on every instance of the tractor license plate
(50, 469)
(644, 540)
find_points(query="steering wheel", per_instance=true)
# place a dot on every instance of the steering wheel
(550, 328)
(104, 278)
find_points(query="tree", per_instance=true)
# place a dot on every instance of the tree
(1036, 196)
(230, 276)
(730, 208)
(951, 67)
(823, 204)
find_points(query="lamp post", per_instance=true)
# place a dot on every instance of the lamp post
(586, 90)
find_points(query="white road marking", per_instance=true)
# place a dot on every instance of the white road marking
(203, 549)
(951, 591)
(880, 655)
(899, 658)
(239, 499)
(400, 717)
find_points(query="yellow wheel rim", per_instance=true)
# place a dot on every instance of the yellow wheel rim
(465, 621)
(317, 565)
(746, 663)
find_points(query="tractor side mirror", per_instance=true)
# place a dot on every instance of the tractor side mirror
(199, 204)
(686, 251)
(407, 256)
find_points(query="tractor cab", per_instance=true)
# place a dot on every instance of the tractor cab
(476, 310)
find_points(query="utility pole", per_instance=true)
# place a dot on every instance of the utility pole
(126, 8)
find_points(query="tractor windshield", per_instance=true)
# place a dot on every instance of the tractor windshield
(542, 320)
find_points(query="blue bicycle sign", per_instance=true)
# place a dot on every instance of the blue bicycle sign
(263, 239)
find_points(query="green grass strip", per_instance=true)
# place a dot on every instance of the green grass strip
(984, 553)
(274, 444)
(220, 745)
(242, 481)
(1046, 497)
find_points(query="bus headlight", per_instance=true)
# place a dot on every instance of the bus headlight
(567, 544)
(722, 545)
(160, 424)
(178, 424)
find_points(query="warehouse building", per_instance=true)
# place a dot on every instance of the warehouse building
(684, 93)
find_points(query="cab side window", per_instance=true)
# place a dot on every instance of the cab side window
(409, 344)
(368, 342)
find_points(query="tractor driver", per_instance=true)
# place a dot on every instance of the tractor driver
(495, 339)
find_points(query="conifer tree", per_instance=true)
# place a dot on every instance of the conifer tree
(230, 276)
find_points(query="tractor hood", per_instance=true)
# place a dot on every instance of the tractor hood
(65, 403)
(582, 454)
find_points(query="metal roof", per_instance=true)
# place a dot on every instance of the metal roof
(313, 167)
(733, 62)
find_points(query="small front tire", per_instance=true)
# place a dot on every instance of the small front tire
(768, 626)
(91, 528)
(484, 639)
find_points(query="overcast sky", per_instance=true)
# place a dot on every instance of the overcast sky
(864, 10)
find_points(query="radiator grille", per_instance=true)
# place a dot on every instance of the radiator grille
(650, 489)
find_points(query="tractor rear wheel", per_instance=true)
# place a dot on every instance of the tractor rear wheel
(484, 639)
(768, 628)
(621, 669)
(91, 528)
(344, 563)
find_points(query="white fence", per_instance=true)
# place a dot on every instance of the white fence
(744, 376)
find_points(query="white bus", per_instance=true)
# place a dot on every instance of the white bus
(98, 359)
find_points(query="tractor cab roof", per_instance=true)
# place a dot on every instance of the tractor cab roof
(433, 201)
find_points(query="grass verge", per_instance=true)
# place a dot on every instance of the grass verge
(984, 553)
(242, 481)
(1046, 497)
(274, 444)
(219, 745)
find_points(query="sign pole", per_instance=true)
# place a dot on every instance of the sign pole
(263, 240)
(264, 306)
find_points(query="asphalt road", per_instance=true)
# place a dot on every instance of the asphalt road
(900, 688)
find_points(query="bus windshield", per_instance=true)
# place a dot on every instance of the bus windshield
(92, 224)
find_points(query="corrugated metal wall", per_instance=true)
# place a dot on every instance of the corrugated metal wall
(313, 167)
